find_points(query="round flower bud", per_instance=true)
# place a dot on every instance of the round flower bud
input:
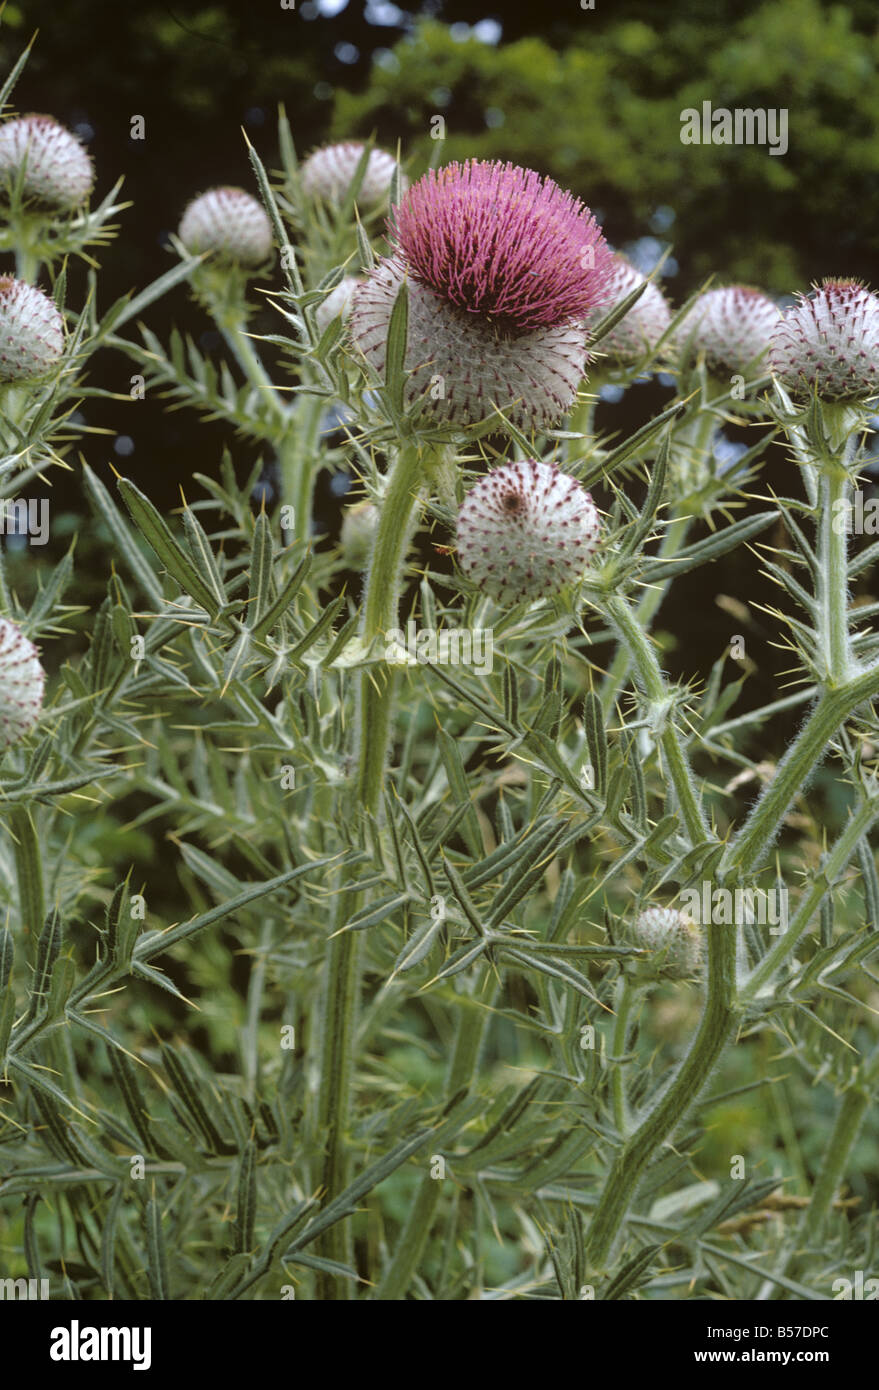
(21, 684)
(359, 526)
(829, 343)
(337, 303)
(463, 367)
(31, 331)
(525, 531)
(672, 938)
(328, 172)
(638, 331)
(230, 223)
(732, 327)
(58, 172)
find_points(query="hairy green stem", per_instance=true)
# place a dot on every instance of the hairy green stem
(341, 986)
(413, 1238)
(650, 602)
(297, 461)
(756, 837)
(834, 865)
(845, 1131)
(653, 685)
(233, 329)
(398, 511)
(632, 1159)
(29, 870)
(627, 994)
(721, 1005)
(849, 1118)
(832, 579)
(340, 994)
(27, 264)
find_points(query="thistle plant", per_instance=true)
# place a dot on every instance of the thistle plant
(355, 967)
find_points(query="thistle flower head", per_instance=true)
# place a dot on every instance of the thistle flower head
(230, 223)
(503, 243)
(672, 938)
(638, 331)
(358, 532)
(731, 326)
(328, 172)
(525, 531)
(31, 331)
(58, 172)
(829, 343)
(21, 684)
(337, 303)
(461, 366)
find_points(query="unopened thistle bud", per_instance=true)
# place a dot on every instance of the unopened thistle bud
(502, 267)
(359, 526)
(673, 940)
(525, 531)
(829, 343)
(732, 327)
(58, 171)
(337, 303)
(21, 684)
(230, 223)
(31, 332)
(638, 331)
(329, 171)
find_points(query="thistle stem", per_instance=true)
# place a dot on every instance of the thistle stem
(632, 1159)
(626, 996)
(648, 606)
(849, 1117)
(297, 461)
(232, 327)
(413, 1238)
(832, 580)
(341, 987)
(340, 999)
(834, 865)
(383, 586)
(27, 263)
(29, 870)
(759, 831)
(721, 1005)
(653, 685)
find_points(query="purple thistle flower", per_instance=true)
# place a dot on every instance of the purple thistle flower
(502, 267)
(829, 343)
(504, 243)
